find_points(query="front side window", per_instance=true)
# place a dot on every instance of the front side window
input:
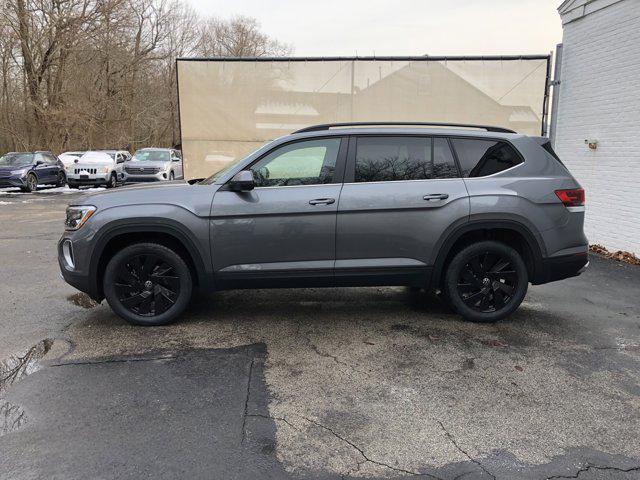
(388, 159)
(310, 162)
(479, 158)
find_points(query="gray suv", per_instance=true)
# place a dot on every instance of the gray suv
(474, 212)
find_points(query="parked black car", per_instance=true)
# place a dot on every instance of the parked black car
(27, 170)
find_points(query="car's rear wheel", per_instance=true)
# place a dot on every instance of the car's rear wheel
(486, 281)
(62, 179)
(148, 284)
(171, 177)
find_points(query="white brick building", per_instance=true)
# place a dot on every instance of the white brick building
(599, 100)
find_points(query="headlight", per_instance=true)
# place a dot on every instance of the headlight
(19, 172)
(77, 216)
(106, 169)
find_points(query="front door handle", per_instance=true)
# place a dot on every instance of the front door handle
(435, 196)
(322, 201)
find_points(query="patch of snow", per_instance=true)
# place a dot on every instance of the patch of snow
(6, 203)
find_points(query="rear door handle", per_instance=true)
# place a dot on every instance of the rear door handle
(435, 196)
(322, 201)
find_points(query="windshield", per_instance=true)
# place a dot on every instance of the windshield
(152, 156)
(16, 159)
(222, 171)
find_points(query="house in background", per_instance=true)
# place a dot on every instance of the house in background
(597, 132)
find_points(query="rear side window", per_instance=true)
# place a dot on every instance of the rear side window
(479, 158)
(388, 159)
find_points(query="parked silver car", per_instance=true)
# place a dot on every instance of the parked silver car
(476, 212)
(98, 168)
(154, 165)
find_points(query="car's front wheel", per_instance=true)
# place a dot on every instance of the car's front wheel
(486, 281)
(147, 284)
(113, 181)
(31, 183)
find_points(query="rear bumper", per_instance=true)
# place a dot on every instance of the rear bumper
(565, 266)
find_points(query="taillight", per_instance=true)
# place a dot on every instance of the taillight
(571, 198)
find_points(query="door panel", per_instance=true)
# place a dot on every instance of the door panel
(391, 225)
(273, 232)
(390, 228)
(283, 231)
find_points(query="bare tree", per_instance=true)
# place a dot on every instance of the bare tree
(79, 74)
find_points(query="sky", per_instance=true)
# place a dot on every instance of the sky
(401, 27)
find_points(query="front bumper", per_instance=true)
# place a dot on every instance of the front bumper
(13, 181)
(78, 275)
(88, 179)
(155, 177)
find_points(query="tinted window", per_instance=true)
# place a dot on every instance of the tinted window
(387, 159)
(302, 163)
(479, 158)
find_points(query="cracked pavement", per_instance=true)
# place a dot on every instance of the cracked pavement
(318, 383)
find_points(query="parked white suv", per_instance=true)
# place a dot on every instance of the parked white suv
(154, 165)
(99, 167)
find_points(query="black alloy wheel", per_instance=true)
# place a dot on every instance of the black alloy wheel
(486, 281)
(147, 284)
(62, 179)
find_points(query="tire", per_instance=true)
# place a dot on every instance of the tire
(74, 185)
(113, 181)
(147, 299)
(486, 281)
(32, 183)
(62, 179)
(171, 177)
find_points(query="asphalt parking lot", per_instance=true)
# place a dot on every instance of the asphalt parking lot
(316, 383)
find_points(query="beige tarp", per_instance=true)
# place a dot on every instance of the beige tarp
(229, 108)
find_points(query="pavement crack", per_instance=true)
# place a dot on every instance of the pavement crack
(364, 455)
(114, 360)
(317, 350)
(464, 452)
(594, 467)
(269, 417)
(246, 401)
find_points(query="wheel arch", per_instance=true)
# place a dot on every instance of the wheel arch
(168, 233)
(477, 230)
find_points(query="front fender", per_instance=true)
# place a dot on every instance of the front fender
(189, 229)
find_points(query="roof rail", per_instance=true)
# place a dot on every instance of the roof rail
(327, 126)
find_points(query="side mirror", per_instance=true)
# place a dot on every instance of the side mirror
(39, 162)
(242, 181)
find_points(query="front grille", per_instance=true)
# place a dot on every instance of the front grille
(90, 171)
(142, 170)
